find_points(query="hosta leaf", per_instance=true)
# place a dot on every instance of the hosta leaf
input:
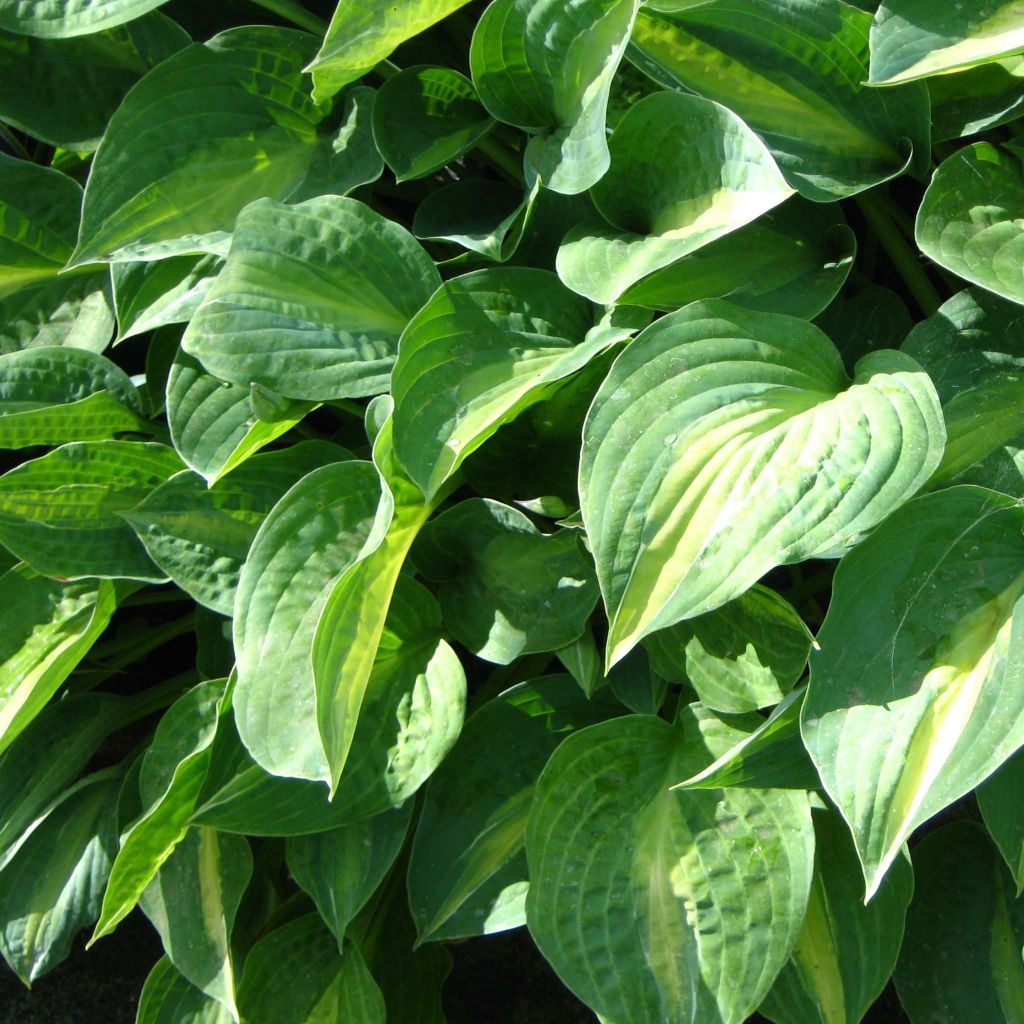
(795, 71)
(656, 905)
(973, 349)
(506, 589)
(864, 318)
(426, 117)
(970, 219)
(770, 757)
(665, 196)
(72, 310)
(32, 779)
(972, 101)
(961, 959)
(342, 868)
(49, 626)
(348, 158)
(173, 770)
(214, 425)
(1003, 813)
(52, 886)
(793, 260)
(61, 513)
(295, 975)
(362, 34)
(548, 66)
(64, 91)
(192, 902)
(412, 704)
(315, 534)
(352, 625)
(467, 872)
(56, 19)
(916, 696)
(169, 998)
(724, 443)
(151, 295)
(486, 217)
(312, 300)
(484, 348)
(200, 535)
(916, 38)
(745, 655)
(239, 796)
(582, 660)
(846, 951)
(51, 394)
(211, 129)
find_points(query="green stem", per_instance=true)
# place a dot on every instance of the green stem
(294, 12)
(156, 698)
(904, 259)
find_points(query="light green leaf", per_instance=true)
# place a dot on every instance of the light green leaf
(970, 219)
(795, 71)
(506, 589)
(326, 524)
(961, 957)
(655, 905)
(52, 886)
(49, 626)
(846, 951)
(975, 100)
(200, 535)
(58, 19)
(206, 132)
(168, 998)
(295, 975)
(312, 300)
(548, 66)
(748, 654)
(192, 902)
(61, 513)
(484, 348)
(770, 757)
(213, 423)
(364, 32)
(426, 117)
(349, 158)
(916, 694)
(582, 660)
(467, 871)
(665, 196)
(352, 625)
(792, 260)
(64, 91)
(342, 868)
(724, 443)
(1003, 813)
(151, 295)
(913, 39)
(51, 394)
(173, 770)
(973, 349)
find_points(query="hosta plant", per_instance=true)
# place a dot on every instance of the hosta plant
(524, 464)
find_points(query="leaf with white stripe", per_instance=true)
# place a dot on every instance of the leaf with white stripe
(659, 905)
(724, 443)
(917, 692)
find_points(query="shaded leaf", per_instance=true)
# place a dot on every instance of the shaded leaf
(168, 998)
(1003, 813)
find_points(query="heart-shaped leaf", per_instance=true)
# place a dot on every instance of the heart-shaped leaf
(724, 443)
(667, 194)
(917, 692)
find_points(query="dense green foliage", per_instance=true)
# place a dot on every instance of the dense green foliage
(472, 465)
